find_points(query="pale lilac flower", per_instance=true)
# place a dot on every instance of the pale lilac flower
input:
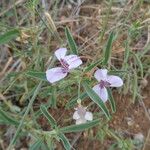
(67, 63)
(105, 81)
(81, 115)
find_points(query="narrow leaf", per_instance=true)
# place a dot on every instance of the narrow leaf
(81, 127)
(17, 133)
(107, 51)
(73, 101)
(37, 74)
(71, 41)
(96, 99)
(5, 117)
(36, 145)
(91, 66)
(8, 36)
(112, 101)
(117, 72)
(50, 119)
(53, 97)
(135, 85)
(138, 62)
(65, 141)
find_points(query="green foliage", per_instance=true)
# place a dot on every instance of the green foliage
(65, 141)
(36, 74)
(6, 118)
(107, 50)
(48, 116)
(134, 30)
(36, 145)
(71, 42)
(9, 36)
(16, 135)
(138, 63)
(21, 89)
(92, 66)
(81, 127)
(96, 99)
(71, 103)
(32, 4)
(112, 101)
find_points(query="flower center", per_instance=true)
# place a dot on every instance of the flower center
(103, 84)
(81, 111)
(64, 65)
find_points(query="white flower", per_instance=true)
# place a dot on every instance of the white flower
(81, 115)
(105, 81)
(68, 63)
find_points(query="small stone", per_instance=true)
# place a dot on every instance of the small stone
(137, 126)
(139, 137)
(148, 111)
(144, 83)
(136, 112)
(114, 122)
(130, 121)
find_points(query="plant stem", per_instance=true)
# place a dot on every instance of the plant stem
(25, 114)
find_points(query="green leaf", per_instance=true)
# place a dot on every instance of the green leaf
(36, 145)
(32, 4)
(65, 141)
(91, 66)
(127, 52)
(8, 36)
(96, 99)
(18, 131)
(73, 101)
(37, 74)
(107, 51)
(71, 41)
(117, 72)
(145, 50)
(53, 99)
(112, 101)
(135, 85)
(138, 62)
(6, 118)
(81, 127)
(50, 119)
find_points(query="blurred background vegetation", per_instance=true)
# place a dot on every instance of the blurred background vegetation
(30, 32)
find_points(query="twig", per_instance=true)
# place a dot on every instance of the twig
(147, 145)
(3, 98)
(146, 112)
(11, 69)
(6, 66)
(76, 138)
(24, 116)
(9, 8)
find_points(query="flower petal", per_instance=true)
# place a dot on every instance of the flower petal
(114, 81)
(101, 74)
(60, 53)
(73, 61)
(80, 121)
(55, 74)
(76, 115)
(101, 92)
(89, 116)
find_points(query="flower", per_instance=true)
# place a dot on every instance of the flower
(67, 63)
(81, 115)
(105, 81)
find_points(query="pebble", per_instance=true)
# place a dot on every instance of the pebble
(144, 83)
(148, 111)
(130, 121)
(139, 137)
